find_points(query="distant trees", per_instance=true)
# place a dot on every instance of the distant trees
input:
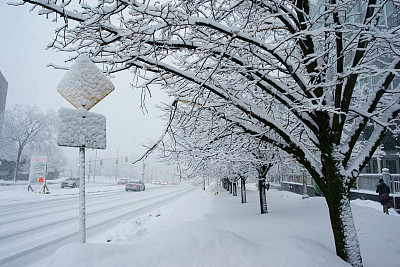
(304, 78)
(204, 141)
(28, 127)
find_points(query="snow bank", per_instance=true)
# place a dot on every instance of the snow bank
(177, 213)
(202, 229)
(195, 244)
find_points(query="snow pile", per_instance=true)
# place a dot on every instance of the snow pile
(202, 229)
(80, 128)
(84, 85)
(373, 204)
(194, 244)
(20, 195)
(199, 230)
(169, 216)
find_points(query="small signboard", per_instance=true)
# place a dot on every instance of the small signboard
(80, 128)
(37, 171)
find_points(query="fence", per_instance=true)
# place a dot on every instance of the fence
(364, 181)
(396, 183)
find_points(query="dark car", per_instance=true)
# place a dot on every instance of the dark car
(70, 182)
(135, 186)
(122, 181)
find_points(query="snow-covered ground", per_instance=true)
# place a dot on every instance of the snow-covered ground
(203, 229)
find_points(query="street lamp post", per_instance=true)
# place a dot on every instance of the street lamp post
(305, 193)
(130, 170)
(116, 168)
(144, 166)
(94, 173)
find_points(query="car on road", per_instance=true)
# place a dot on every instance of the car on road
(70, 182)
(135, 186)
(122, 181)
(164, 182)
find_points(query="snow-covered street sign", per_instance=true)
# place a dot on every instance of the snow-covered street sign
(84, 85)
(80, 128)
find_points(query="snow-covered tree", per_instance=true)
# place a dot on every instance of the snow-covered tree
(328, 68)
(27, 126)
(200, 134)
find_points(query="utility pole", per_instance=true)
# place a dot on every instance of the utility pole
(116, 168)
(305, 192)
(130, 169)
(90, 170)
(94, 173)
(144, 166)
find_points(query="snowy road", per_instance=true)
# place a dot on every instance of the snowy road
(33, 230)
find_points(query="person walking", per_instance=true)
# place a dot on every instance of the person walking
(383, 191)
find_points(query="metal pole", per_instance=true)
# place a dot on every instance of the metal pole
(130, 170)
(305, 192)
(392, 184)
(116, 168)
(82, 209)
(90, 170)
(143, 172)
(95, 163)
(216, 193)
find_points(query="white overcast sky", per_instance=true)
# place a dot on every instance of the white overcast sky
(23, 60)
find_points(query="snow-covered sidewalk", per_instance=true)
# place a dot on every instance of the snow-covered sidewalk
(204, 229)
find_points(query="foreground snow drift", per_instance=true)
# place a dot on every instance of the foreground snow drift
(207, 230)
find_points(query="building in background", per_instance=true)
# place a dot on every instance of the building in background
(3, 98)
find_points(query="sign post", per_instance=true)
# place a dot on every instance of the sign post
(84, 85)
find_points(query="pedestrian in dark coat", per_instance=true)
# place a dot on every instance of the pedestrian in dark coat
(383, 191)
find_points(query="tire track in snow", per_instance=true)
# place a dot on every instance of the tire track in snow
(24, 257)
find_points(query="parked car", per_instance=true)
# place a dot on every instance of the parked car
(135, 186)
(122, 181)
(70, 182)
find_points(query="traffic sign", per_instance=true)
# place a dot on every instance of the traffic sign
(84, 85)
(80, 128)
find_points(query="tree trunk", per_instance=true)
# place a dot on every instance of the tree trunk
(243, 189)
(230, 187)
(263, 196)
(225, 184)
(17, 163)
(234, 189)
(344, 231)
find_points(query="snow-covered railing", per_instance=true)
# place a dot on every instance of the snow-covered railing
(369, 181)
(366, 181)
(396, 183)
(297, 178)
